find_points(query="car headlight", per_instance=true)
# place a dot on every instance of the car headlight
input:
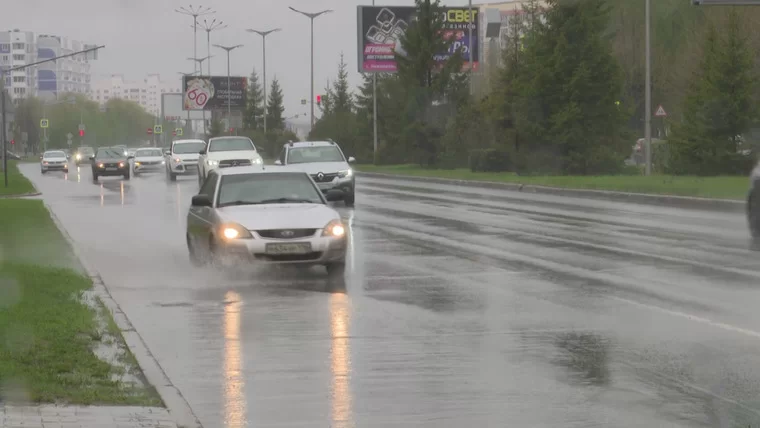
(212, 162)
(235, 231)
(44, 163)
(163, 162)
(79, 156)
(335, 229)
(346, 173)
(177, 160)
(138, 163)
(121, 164)
(100, 165)
(256, 161)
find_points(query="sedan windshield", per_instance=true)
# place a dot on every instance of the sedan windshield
(186, 148)
(54, 155)
(315, 154)
(86, 151)
(270, 188)
(110, 154)
(148, 153)
(230, 144)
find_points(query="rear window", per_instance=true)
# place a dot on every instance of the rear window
(54, 155)
(148, 152)
(230, 144)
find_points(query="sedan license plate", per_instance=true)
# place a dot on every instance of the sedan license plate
(292, 248)
(111, 169)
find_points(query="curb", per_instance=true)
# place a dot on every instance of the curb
(643, 198)
(175, 402)
(23, 195)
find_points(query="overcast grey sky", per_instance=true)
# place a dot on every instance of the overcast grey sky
(147, 36)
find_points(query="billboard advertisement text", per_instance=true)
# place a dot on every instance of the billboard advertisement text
(381, 28)
(212, 93)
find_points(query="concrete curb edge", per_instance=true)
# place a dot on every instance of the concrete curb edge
(667, 200)
(175, 402)
(21, 196)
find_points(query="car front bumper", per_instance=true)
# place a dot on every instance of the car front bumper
(142, 167)
(106, 172)
(323, 250)
(345, 185)
(55, 167)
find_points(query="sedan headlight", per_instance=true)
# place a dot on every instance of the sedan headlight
(335, 229)
(138, 163)
(346, 173)
(100, 165)
(163, 162)
(121, 164)
(177, 160)
(79, 157)
(212, 162)
(256, 161)
(233, 231)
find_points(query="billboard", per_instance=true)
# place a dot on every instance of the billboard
(212, 93)
(381, 27)
(171, 109)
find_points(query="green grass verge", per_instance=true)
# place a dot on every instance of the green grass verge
(47, 332)
(17, 183)
(705, 187)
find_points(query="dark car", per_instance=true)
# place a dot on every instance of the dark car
(84, 154)
(110, 162)
(753, 203)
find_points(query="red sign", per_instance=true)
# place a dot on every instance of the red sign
(174, 133)
(13, 141)
(81, 132)
(150, 131)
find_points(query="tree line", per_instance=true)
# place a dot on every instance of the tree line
(564, 96)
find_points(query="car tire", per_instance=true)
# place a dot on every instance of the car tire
(336, 270)
(42, 171)
(172, 176)
(350, 199)
(95, 177)
(753, 214)
(195, 260)
(126, 176)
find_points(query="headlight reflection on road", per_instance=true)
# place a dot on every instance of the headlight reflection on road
(340, 356)
(102, 196)
(178, 202)
(122, 193)
(79, 175)
(234, 396)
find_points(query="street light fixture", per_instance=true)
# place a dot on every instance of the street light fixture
(264, 35)
(229, 86)
(209, 27)
(195, 12)
(311, 17)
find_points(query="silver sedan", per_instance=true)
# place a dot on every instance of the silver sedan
(266, 215)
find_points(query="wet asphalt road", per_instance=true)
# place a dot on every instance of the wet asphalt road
(462, 307)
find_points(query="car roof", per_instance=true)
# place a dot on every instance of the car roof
(54, 151)
(191, 140)
(229, 137)
(311, 143)
(264, 169)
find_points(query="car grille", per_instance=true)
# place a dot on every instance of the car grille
(234, 162)
(111, 165)
(325, 178)
(289, 257)
(150, 163)
(286, 233)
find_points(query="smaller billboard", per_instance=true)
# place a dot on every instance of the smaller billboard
(171, 109)
(212, 93)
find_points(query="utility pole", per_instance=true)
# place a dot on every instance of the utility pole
(374, 114)
(648, 87)
(264, 35)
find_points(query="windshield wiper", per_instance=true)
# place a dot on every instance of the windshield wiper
(231, 203)
(286, 201)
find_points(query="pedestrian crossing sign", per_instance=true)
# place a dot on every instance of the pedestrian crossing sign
(158, 129)
(178, 131)
(44, 123)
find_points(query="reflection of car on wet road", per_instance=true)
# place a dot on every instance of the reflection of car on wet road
(54, 160)
(276, 215)
(148, 160)
(83, 155)
(326, 164)
(753, 203)
(223, 152)
(110, 162)
(182, 158)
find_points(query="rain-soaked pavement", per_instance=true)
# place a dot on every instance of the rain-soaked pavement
(463, 307)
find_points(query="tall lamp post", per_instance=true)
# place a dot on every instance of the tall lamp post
(229, 86)
(199, 70)
(195, 12)
(311, 17)
(264, 35)
(208, 27)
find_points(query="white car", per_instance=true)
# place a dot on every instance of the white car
(266, 215)
(223, 152)
(325, 162)
(182, 158)
(54, 160)
(147, 160)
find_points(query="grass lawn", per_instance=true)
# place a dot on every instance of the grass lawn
(17, 183)
(705, 187)
(47, 332)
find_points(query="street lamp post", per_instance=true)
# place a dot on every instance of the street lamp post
(264, 35)
(195, 12)
(209, 27)
(648, 87)
(311, 17)
(229, 86)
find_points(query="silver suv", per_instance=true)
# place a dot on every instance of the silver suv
(325, 162)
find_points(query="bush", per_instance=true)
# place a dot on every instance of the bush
(489, 160)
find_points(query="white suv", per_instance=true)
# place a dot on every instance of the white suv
(223, 152)
(182, 157)
(326, 164)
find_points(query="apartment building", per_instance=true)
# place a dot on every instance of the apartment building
(146, 92)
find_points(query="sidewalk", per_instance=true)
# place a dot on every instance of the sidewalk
(51, 416)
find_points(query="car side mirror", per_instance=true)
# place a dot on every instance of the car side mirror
(92, 157)
(351, 159)
(167, 153)
(200, 201)
(130, 157)
(333, 195)
(278, 162)
(202, 152)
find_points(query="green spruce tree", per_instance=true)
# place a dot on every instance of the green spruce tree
(342, 98)
(254, 112)
(275, 107)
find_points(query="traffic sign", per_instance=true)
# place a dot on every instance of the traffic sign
(69, 136)
(179, 131)
(44, 123)
(174, 133)
(150, 131)
(158, 129)
(81, 126)
(660, 111)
